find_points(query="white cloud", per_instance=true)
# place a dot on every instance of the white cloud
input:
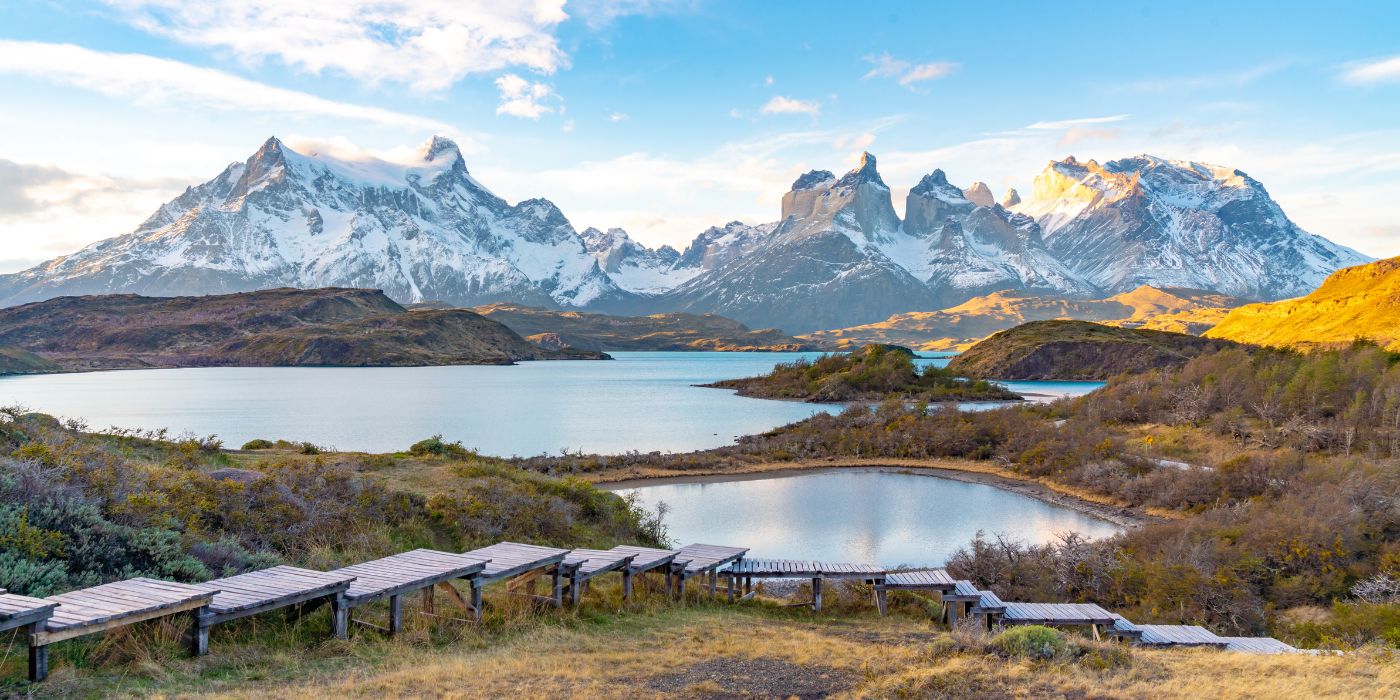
(598, 13)
(568, 126)
(1384, 70)
(148, 80)
(787, 105)
(1210, 81)
(906, 73)
(47, 211)
(768, 81)
(426, 44)
(618, 117)
(522, 98)
(1071, 123)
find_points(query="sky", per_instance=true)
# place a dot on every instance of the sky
(665, 117)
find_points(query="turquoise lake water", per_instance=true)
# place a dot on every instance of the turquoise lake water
(863, 516)
(640, 401)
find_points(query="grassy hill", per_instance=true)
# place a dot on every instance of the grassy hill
(961, 326)
(277, 327)
(872, 373)
(1355, 303)
(17, 361)
(667, 331)
(1077, 350)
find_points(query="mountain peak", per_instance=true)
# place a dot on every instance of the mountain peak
(981, 195)
(438, 146)
(812, 179)
(864, 172)
(1011, 198)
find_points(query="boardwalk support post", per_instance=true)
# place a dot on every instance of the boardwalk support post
(817, 594)
(199, 631)
(395, 614)
(340, 617)
(38, 655)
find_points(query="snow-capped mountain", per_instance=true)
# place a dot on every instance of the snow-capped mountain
(424, 230)
(824, 266)
(972, 246)
(633, 266)
(841, 255)
(1148, 220)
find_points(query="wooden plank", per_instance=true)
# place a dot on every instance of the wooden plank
(51, 635)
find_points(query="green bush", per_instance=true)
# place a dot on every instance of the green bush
(436, 447)
(258, 444)
(1031, 642)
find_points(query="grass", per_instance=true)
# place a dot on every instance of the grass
(659, 649)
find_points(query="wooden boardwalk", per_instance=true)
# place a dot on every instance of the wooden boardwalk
(648, 559)
(744, 571)
(581, 565)
(515, 560)
(97, 609)
(236, 597)
(31, 615)
(1179, 636)
(705, 560)
(100, 608)
(398, 575)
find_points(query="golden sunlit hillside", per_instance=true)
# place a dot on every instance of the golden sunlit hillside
(960, 327)
(1361, 302)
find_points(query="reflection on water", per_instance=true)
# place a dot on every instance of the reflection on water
(885, 518)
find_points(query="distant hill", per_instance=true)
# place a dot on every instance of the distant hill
(278, 327)
(669, 331)
(1361, 302)
(1070, 350)
(872, 373)
(959, 327)
(17, 361)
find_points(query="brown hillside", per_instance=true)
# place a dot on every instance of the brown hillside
(1077, 350)
(346, 327)
(666, 331)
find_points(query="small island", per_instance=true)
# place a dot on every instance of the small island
(872, 373)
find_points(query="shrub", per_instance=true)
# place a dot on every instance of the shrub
(258, 444)
(436, 447)
(1031, 642)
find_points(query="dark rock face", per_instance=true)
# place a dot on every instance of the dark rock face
(667, 331)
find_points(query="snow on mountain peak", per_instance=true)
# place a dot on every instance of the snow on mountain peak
(813, 179)
(439, 146)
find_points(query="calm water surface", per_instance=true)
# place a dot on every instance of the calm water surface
(640, 401)
(885, 518)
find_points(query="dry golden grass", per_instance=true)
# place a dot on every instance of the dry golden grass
(736, 653)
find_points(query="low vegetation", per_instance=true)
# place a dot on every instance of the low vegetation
(872, 373)
(80, 508)
(1078, 350)
(1274, 475)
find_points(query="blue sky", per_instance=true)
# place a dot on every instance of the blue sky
(667, 117)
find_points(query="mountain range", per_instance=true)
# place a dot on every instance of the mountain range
(838, 256)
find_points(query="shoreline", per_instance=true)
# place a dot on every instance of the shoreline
(956, 470)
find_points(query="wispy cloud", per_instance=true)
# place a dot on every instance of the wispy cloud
(426, 45)
(522, 98)
(599, 13)
(904, 72)
(1071, 123)
(787, 105)
(148, 80)
(1382, 70)
(618, 117)
(1209, 81)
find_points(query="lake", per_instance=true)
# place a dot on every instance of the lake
(640, 401)
(856, 515)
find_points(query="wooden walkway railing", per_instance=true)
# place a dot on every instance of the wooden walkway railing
(100, 608)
